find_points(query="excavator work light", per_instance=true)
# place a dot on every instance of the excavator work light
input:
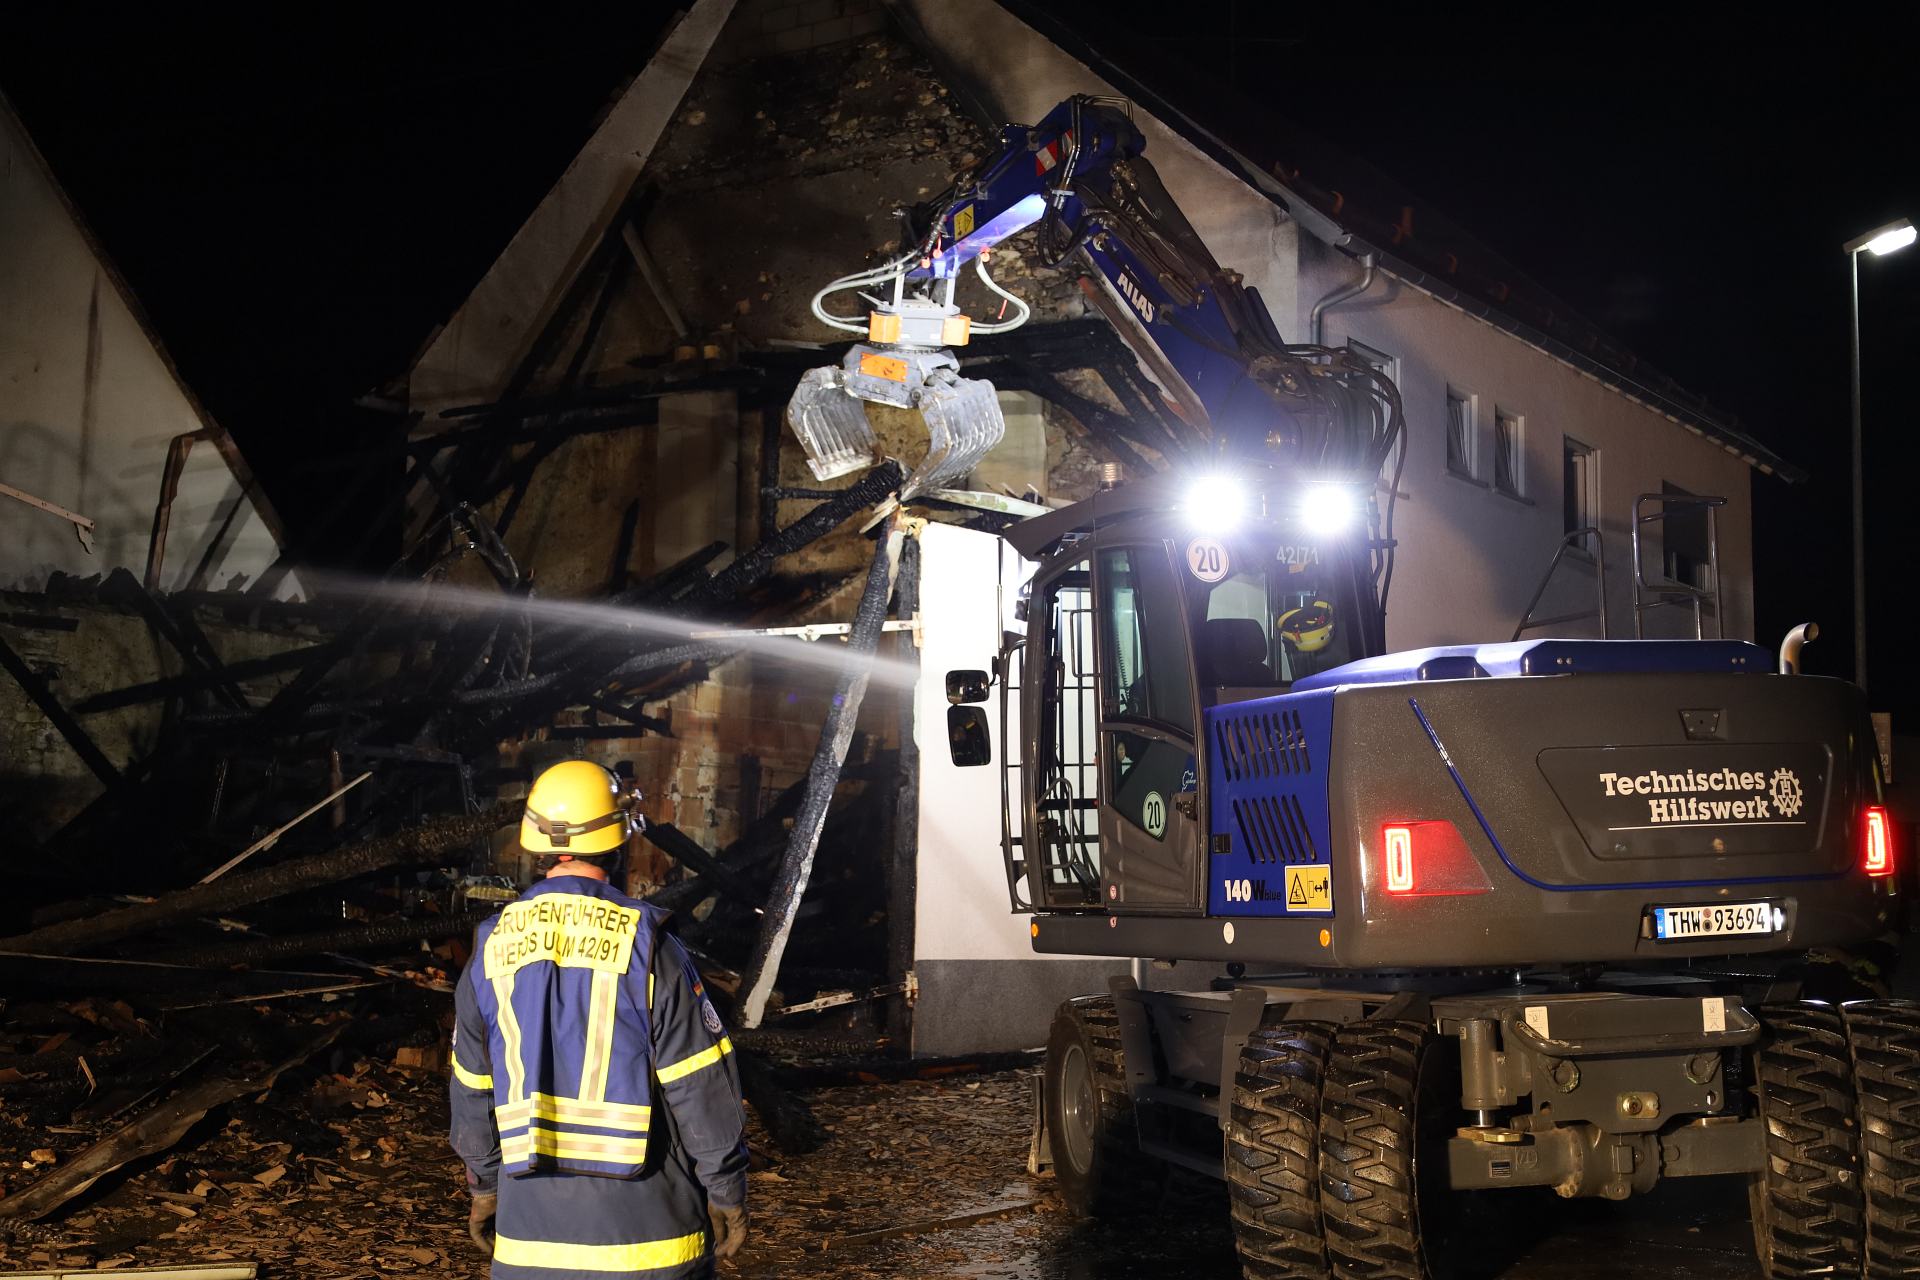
(1215, 504)
(1329, 508)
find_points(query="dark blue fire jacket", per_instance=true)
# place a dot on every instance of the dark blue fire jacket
(591, 1069)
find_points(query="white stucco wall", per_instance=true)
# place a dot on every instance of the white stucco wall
(1470, 557)
(87, 406)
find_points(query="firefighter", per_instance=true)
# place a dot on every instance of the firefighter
(595, 1098)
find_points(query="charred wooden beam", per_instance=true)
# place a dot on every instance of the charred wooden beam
(198, 681)
(155, 1131)
(687, 851)
(371, 937)
(422, 844)
(836, 735)
(57, 715)
(904, 848)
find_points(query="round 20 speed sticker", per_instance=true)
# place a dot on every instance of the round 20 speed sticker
(1153, 814)
(1207, 559)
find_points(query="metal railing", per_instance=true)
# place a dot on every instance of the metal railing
(1573, 539)
(1668, 591)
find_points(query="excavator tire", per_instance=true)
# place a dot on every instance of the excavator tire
(1391, 1089)
(1273, 1152)
(1091, 1132)
(1806, 1203)
(1884, 1037)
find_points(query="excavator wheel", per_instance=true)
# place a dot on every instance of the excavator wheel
(1091, 1132)
(1884, 1038)
(1806, 1202)
(1388, 1103)
(1273, 1152)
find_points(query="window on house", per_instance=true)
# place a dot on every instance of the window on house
(1389, 367)
(1684, 554)
(1579, 487)
(1460, 434)
(1507, 477)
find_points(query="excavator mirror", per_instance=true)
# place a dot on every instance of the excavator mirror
(967, 686)
(967, 737)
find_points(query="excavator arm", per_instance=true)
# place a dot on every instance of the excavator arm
(1081, 174)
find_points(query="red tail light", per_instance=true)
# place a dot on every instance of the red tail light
(1398, 843)
(1876, 841)
(1424, 859)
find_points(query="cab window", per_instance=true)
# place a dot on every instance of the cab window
(1143, 638)
(1284, 610)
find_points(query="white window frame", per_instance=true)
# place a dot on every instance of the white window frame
(1389, 365)
(1589, 481)
(1470, 441)
(1516, 454)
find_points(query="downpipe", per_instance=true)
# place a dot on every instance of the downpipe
(1795, 641)
(1316, 321)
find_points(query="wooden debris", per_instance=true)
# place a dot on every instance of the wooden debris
(155, 1131)
(419, 844)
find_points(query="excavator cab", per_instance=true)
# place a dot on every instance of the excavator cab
(1165, 603)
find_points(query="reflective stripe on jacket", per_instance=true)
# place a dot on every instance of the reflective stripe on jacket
(621, 1072)
(561, 981)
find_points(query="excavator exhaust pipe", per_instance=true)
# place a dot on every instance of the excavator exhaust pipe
(828, 413)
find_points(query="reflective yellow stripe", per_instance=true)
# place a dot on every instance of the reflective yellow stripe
(687, 1066)
(515, 1147)
(599, 1053)
(649, 992)
(647, 1255)
(601, 1115)
(471, 1079)
(510, 1033)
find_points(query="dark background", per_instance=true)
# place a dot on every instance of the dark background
(298, 198)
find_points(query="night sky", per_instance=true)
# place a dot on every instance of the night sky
(300, 199)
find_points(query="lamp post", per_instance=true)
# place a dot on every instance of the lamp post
(1879, 242)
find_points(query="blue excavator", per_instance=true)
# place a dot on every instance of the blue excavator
(1484, 917)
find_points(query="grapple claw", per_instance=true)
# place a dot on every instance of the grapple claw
(828, 416)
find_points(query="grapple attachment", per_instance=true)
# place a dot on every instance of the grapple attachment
(828, 413)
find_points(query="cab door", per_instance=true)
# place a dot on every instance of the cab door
(1149, 789)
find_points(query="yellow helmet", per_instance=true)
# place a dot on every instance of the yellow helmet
(577, 808)
(1308, 628)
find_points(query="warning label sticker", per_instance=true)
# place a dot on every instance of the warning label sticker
(892, 368)
(1309, 889)
(963, 223)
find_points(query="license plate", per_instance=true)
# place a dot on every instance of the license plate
(1683, 924)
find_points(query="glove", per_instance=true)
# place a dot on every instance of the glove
(729, 1229)
(480, 1219)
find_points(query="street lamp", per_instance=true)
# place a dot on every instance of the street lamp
(1879, 242)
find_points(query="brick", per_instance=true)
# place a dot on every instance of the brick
(832, 32)
(867, 24)
(783, 18)
(819, 10)
(790, 41)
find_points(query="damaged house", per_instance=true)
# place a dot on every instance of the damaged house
(610, 397)
(615, 549)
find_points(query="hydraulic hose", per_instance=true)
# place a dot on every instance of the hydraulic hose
(1023, 312)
